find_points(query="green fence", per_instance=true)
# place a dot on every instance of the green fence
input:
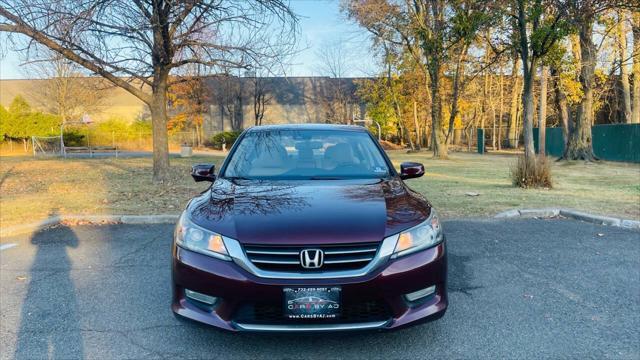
(618, 142)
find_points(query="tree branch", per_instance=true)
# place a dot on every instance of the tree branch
(23, 28)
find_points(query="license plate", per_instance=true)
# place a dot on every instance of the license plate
(312, 303)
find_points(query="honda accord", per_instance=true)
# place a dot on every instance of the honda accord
(308, 228)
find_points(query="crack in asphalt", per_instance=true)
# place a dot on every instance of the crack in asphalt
(465, 290)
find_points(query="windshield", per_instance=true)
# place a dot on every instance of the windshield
(306, 154)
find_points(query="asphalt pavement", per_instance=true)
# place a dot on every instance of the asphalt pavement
(518, 289)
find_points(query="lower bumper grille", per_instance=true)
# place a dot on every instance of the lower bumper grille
(352, 312)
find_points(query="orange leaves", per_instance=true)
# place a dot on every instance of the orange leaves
(187, 102)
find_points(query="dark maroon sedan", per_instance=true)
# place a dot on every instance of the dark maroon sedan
(309, 228)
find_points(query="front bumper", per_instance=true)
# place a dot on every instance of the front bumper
(236, 287)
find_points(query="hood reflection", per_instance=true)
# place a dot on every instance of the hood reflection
(312, 212)
(402, 204)
(258, 198)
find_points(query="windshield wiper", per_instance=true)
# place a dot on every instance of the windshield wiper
(237, 178)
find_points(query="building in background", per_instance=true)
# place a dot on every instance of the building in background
(239, 102)
(233, 103)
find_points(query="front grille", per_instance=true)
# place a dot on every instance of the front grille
(287, 258)
(352, 312)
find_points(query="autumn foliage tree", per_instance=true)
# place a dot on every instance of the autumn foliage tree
(438, 35)
(188, 100)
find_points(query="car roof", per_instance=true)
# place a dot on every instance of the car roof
(340, 127)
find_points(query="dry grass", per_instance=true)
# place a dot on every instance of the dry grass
(531, 173)
(33, 189)
(607, 188)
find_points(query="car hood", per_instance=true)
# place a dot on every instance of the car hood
(308, 212)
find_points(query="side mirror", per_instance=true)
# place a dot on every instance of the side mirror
(410, 170)
(203, 172)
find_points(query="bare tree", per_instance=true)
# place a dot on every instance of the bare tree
(130, 42)
(231, 99)
(261, 97)
(66, 91)
(334, 60)
(262, 84)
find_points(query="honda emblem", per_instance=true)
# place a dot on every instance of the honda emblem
(311, 258)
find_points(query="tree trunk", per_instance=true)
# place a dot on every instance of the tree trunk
(635, 116)
(158, 109)
(426, 128)
(624, 73)
(199, 135)
(457, 88)
(527, 108)
(580, 144)
(542, 111)
(492, 111)
(438, 139)
(415, 123)
(403, 130)
(518, 122)
(485, 104)
(561, 104)
(515, 94)
(500, 111)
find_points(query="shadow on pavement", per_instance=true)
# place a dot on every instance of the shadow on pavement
(49, 322)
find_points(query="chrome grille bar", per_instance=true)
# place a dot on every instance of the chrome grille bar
(349, 260)
(337, 257)
(272, 252)
(238, 253)
(354, 251)
(283, 262)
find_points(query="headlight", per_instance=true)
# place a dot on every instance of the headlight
(419, 237)
(193, 237)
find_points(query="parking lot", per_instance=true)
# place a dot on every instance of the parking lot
(518, 288)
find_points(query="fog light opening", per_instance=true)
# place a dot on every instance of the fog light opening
(417, 295)
(209, 300)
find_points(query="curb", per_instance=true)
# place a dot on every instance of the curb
(88, 219)
(570, 214)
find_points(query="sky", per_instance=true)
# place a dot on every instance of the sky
(321, 23)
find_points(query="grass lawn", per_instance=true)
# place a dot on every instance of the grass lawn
(32, 189)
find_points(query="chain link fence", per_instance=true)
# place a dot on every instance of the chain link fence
(130, 140)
